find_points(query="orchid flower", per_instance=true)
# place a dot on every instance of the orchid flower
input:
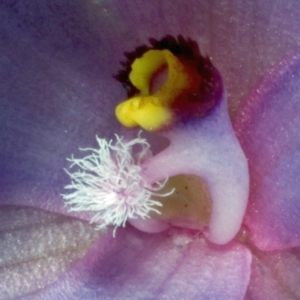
(57, 93)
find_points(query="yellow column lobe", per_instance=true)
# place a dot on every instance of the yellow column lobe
(153, 111)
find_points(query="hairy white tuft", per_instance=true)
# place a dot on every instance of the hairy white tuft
(108, 182)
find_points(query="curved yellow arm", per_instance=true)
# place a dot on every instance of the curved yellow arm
(154, 111)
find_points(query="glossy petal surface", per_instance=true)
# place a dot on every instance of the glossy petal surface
(268, 128)
(172, 265)
(37, 247)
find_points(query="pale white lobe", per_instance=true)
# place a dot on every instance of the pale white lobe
(209, 149)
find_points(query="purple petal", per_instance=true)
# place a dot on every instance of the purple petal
(82, 42)
(55, 97)
(268, 128)
(172, 265)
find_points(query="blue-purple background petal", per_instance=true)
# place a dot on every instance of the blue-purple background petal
(57, 59)
(56, 95)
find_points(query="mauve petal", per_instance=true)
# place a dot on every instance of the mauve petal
(268, 129)
(172, 265)
(274, 275)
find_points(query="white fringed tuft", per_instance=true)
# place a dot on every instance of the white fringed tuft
(108, 182)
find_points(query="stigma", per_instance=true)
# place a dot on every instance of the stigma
(109, 183)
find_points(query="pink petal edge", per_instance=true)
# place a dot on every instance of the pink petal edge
(267, 126)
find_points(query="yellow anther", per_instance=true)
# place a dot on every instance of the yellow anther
(146, 112)
(152, 112)
(124, 113)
